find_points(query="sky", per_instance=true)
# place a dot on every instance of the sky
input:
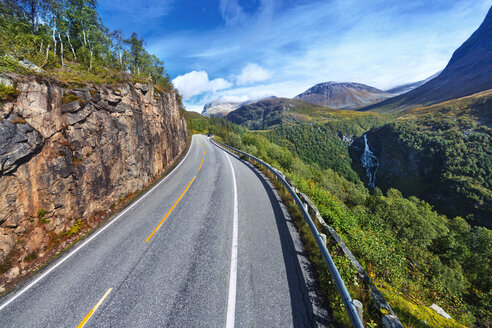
(238, 50)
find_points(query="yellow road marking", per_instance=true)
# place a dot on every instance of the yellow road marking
(89, 315)
(203, 147)
(201, 164)
(170, 210)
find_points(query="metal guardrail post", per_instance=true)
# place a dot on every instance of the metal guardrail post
(342, 289)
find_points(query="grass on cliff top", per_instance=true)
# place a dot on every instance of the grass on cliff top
(8, 65)
(76, 75)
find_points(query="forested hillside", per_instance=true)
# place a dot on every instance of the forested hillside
(441, 157)
(266, 113)
(325, 144)
(415, 255)
(66, 39)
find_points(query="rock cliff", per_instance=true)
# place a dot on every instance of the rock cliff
(68, 156)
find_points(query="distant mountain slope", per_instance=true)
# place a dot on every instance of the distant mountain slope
(401, 89)
(222, 108)
(266, 113)
(342, 95)
(469, 71)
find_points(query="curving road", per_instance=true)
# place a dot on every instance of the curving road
(209, 246)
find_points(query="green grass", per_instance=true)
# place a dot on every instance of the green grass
(9, 65)
(41, 213)
(413, 313)
(76, 75)
(8, 93)
(74, 229)
(30, 257)
(68, 98)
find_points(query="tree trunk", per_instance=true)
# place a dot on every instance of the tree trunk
(85, 39)
(61, 49)
(71, 46)
(47, 54)
(54, 40)
(34, 14)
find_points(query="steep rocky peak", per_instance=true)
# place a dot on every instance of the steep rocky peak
(481, 39)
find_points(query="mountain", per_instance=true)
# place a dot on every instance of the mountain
(401, 89)
(342, 95)
(469, 71)
(222, 108)
(267, 113)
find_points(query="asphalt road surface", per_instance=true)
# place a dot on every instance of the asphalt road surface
(210, 245)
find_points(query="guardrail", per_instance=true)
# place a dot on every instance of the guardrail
(342, 290)
(389, 318)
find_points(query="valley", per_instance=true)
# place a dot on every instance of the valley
(411, 179)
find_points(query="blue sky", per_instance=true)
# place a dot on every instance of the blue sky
(236, 50)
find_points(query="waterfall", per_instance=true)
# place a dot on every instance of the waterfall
(371, 163)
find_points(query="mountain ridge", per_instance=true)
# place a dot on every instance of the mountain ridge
(342, 95)
(469, 71)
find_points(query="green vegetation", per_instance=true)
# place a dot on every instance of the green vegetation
(41, 213)
(323, 144)
(456, 153)
(67, 39)
(413, 312)
(30, 257)
(273, 112)
(5, 265)
(68, 98)
(74, 229)
(7, 93)
(414, 254)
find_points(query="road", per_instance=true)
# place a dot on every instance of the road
(210, 245)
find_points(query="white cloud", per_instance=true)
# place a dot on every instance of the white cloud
(193, 108)
(253, 73)
(196, 82)
(231, 12)
(380, 43)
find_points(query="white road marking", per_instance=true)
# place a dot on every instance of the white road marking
(25, 289)
(231, 302)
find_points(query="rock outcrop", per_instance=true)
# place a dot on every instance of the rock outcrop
(68, 155)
